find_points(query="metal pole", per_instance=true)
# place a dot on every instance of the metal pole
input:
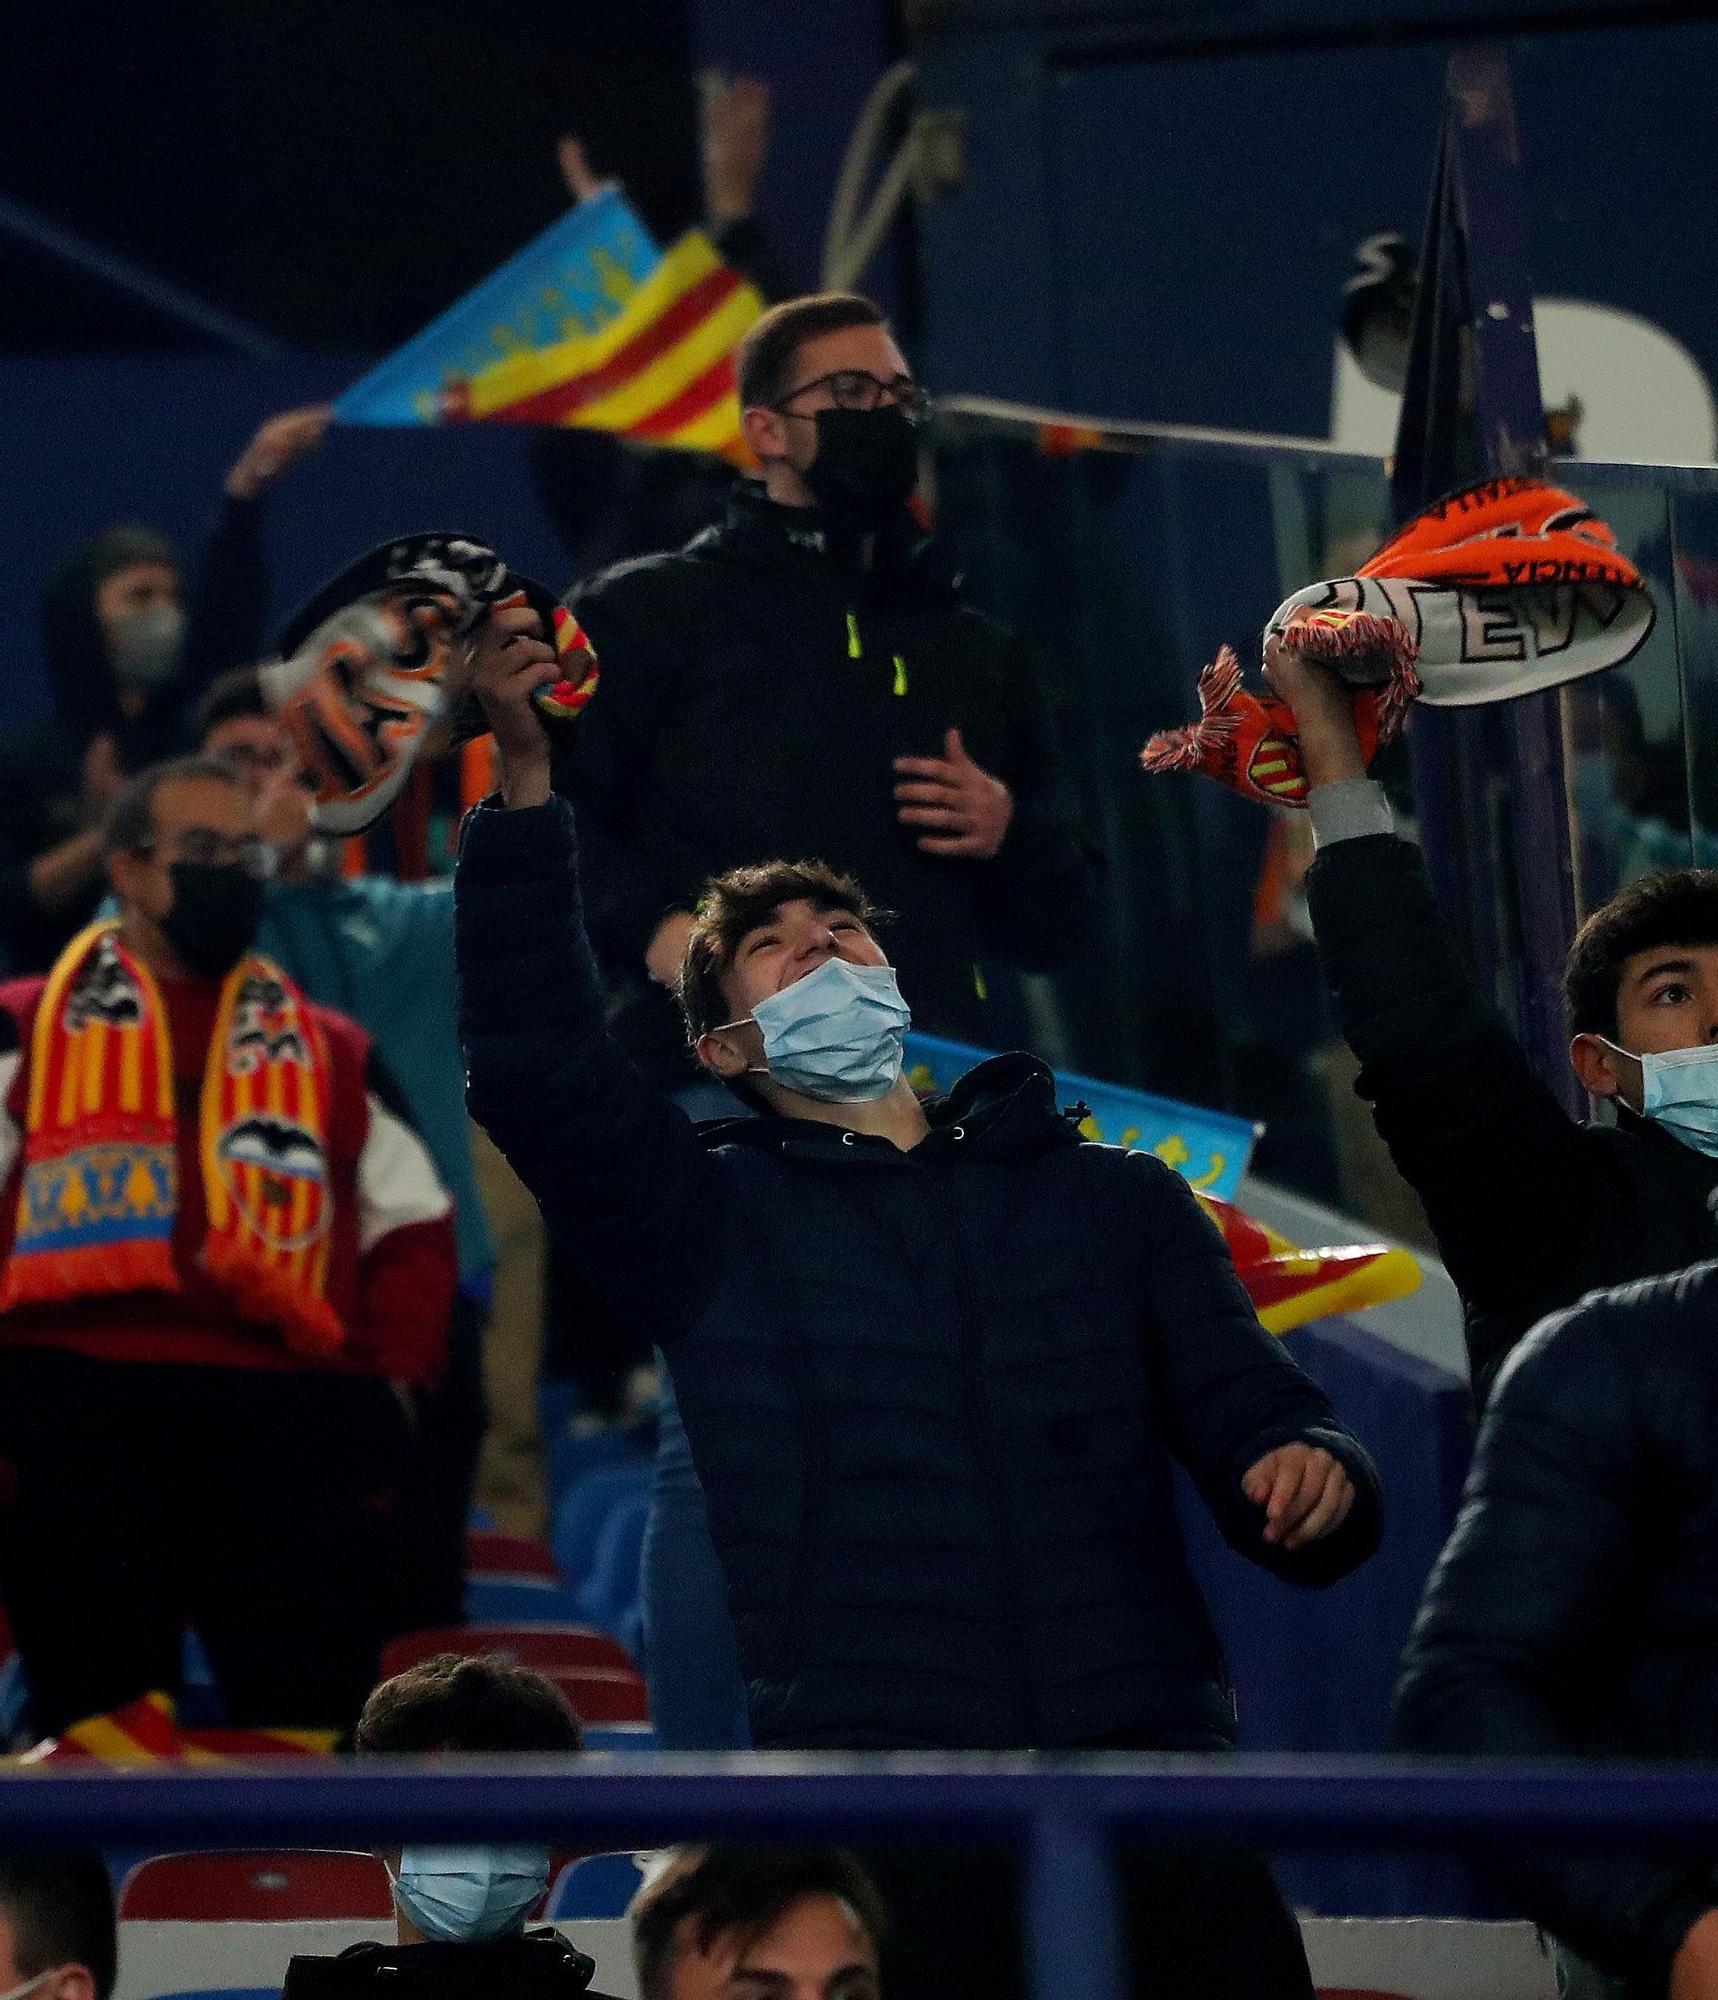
(125, 274)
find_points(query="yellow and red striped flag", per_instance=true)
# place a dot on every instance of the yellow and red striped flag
(590, 325)
(663, 371)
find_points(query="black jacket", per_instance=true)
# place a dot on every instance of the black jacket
(540, 1965)
(1576, 1606)
(757, 687)
(933, 1396)
(1530, 1209)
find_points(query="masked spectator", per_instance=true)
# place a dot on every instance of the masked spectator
(934, 1364)
(804, 1923)
(220, 1243)
(1529, 1208)
(363, 944)
(808, 678)
(462, 1911)
(1575, 1613)
(128, 648)
(58, 1936)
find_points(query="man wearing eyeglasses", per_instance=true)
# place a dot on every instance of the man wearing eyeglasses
(807, 678)
(221, 1249)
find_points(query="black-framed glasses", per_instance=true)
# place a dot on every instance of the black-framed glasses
(859, 389)
(203, 847)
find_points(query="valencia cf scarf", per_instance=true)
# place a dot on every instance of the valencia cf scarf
(1503, 589)
(99, 1192)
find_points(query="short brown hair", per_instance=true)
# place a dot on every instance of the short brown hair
(130, 823)
(737, 902)
(730, 1888)
(455, 1702)
(234, 694)
(1677, 906)
(764, 360)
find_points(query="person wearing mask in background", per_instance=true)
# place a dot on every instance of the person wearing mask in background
(934, 1361)
(223, 1255)
(128, 648)
(59, 1939)
(462, 1911)
(1575, 1614)
(797, 1923)
(1530, 1209)
(381, 952)
(806, 678)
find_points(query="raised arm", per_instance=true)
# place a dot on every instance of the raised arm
(1510, 1183)
(1287, 1485)
(616, 1168)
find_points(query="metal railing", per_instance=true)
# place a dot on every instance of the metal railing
(1064, 1815)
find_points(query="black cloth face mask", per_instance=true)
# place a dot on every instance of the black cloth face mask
(217, 906)
(867, 463)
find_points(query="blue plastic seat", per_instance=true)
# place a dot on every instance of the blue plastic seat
(609, 1598)
(583, 1513)
(598, 1888)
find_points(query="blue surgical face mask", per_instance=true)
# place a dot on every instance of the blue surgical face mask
(1680, 1092)
(468, 1895)
(836, 1034)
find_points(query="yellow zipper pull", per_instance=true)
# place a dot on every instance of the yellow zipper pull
(900, 675)
(854, 650)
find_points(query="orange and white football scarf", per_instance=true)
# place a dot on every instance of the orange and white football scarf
(99, 1193)
(1506, 588)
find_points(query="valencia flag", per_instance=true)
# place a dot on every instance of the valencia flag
(591, 326)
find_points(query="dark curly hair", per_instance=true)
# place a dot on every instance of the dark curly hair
(454, 1702)
(1677, 907)
(737, 902)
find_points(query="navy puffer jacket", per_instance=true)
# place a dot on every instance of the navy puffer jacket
(933, 1396)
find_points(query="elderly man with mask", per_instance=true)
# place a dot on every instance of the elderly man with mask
(129, 643)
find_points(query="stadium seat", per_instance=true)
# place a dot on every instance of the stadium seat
(583, 1512)
(610, 1595)
(568, 1459)
(599, 1886)
(490, 1553)
(548, 1647)
(604, 1694)
(519, 1600)
(250, 1887)
(628, 1736)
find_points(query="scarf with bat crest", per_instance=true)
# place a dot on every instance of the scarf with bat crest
(99, 1191)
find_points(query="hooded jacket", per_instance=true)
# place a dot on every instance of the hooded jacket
(934, 1397)
(1530, 1209)
(757, 686)
(41, 765)
(1575, 1610)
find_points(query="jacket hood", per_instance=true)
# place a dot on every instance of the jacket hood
(1002, 1108)
(760, 533)
(72, 644)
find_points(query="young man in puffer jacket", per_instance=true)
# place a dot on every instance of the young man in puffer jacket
(935, 1362)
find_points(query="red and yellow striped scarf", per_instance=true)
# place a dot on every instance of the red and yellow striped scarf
(99, 1192)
